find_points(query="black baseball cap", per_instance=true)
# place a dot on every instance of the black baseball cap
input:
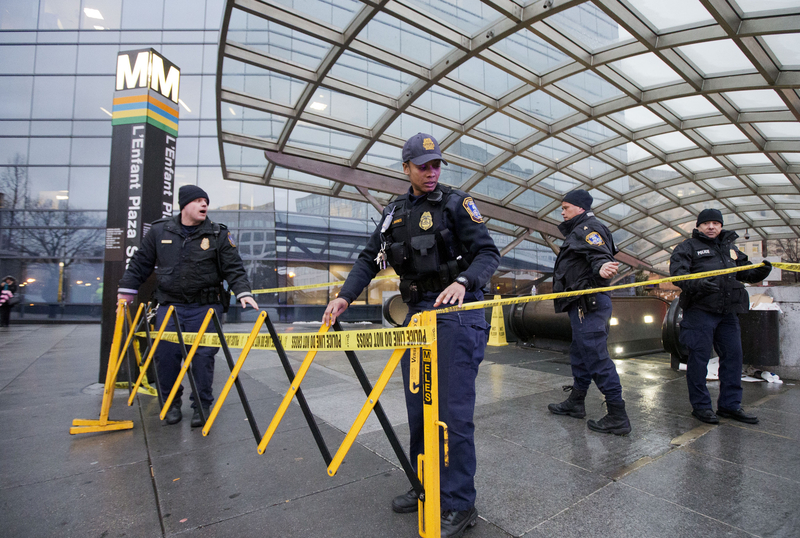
(422, 148)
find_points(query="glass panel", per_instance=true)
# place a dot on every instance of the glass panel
(531, 51)
(84, 282)
(592, 132)
(722, 134)
(448, 104)
(756, 100)
(637, 118)
(494, 188)
(554, 149)
(702, 164)
(384, 155)
(455, 176)
(89, 151)
(628, 153)
(474, 150)
(101, 14)
(761, 215)
(691, 107)
(244, 159)
(650, 199)
(644, 224)
(737, 200)
(792, 158)
(647, 71)
(722, 183)
(715, 58)
(142, 14)
(543, 106)
(590, 26)
(591, 167)
(521, 167)
(485, 77)
(745, 159)
(623, 185)
(680, 13)
(468, 15)
(639, 246)
(505, 127)
(775, 130)
(16, 59)
(48, 188)
(599, 197)
(660, 173)
(52, 97)
(255, 198)
(620, 211)
(59, 14)
(18, 15)
(56, 59)
(392, 34)
(94, 97)
(751, 7)
(244, 78)
(769, 179)
(223, 194)
(684, 189)
(674, 214)
(17, 95)
(407, 126)
(786, 48)
(238, 119)
(370, 74)
(560, 183)
(88, 187)
(344, 107)
(664, 235)
(589, 87)
(532, 201)
(671, 142)
(183, 14)
(49, 151)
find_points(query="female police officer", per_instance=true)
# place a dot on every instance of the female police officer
(435, 239)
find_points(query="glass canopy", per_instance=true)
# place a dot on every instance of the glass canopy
(659, 109)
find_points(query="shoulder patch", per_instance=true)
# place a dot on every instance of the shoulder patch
(595, 239)
(472, 209)
(230, 240)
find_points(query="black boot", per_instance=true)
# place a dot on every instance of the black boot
(197, 420)
(174, 414)
(616, 421)
(406, 503)
(572, 406)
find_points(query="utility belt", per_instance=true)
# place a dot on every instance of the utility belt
(412, 289)
(214, 295)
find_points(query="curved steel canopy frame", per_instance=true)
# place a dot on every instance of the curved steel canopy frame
(658, 109)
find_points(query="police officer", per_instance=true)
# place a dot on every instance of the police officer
(710, 307)
(191, 256)
(586, 260)
(435, 239)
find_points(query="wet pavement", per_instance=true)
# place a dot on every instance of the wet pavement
(539, 475)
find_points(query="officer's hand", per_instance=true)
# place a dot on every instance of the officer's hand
(454, 293)
(248, 300)
(767, 264)
(334, 310)
(127, 297)
(609, 269)
(707, 286)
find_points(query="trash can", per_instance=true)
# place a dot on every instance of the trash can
(760, 338)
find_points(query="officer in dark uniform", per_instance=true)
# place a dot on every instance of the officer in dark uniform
(710, 307)
(435, 239)
(585, 261)
(191, 256)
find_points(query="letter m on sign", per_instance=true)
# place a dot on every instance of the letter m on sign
(132, 76)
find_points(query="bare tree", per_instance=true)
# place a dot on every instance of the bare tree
(14, 190)
(789, 251)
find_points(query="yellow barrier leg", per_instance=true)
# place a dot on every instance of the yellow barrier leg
(186, 363)
(132, 325)
(369, 405)
(150, 354)
(103, 424)
(235, 372)
(298, 379)
(430, 515)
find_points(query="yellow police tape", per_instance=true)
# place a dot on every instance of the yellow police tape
(371, 339)
(403, 337)
(313, 286)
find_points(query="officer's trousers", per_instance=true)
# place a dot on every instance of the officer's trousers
(169, 357)
(701, 332)
(588, 353)
(462, 340)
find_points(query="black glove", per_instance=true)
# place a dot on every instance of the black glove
(707, 286)
(760, 273)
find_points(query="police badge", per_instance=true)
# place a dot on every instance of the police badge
(426, 221)
(472, 209)
(733, 255)
(204, 244)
